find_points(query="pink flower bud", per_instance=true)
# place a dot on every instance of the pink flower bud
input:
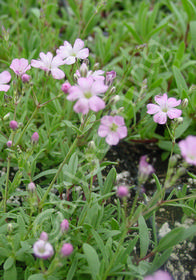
(13, 125)
(110, 76)
(44, 236)
(31, 187)
(9, 143)
(64, 225)
(122, 191)
(65, 87)
(66, 249)
(35, 137)
(25, 78)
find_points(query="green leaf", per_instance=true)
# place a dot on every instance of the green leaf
(193, 33)
(10, 274)
(183, 127)
(144, 236)
(170, 239)
(92, 260)
(72, 269)
(45, 173)
(109, 182)
(134, 33)
(190, 9)
(180, 81)
(159, 260)
(37, 276)
(8, 263)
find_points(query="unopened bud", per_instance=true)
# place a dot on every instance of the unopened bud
(35, 137)
(181, 171)
(185, 103)
(114, 99)
(13, 125)
(91, 146)
(6, 116)
(9, 143)
(66, 249)
(31, 187)
(96, 66)
(9, 227)
(112, 90)
(122, 191)
(110, 76)
(64, 225)
(83, 70)
(44, 236)
(179, 120)
(65, 87)
(25, 78)
(75, 77)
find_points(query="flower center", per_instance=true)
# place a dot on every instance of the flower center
(164, 109)
(41, 250)
(113, 127)
(88, 94)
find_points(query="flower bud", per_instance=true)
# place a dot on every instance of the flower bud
(44, 236)
(122, 191)
(65, 87)
(185, 103)
(96, 66)
(110, 76)
(25, 78)
(91, 146)
(64, 225)
(10, 227)
(9, 143)
(114, 99)
(6, 116)
(13, 125)
(112, 90)
(35, 137)
(66, 249)
(179, 120)
(31, 187)
(83, 70)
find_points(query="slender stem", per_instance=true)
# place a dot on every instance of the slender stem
(134, 203)
(58, 172)
(26, 126)
(7, 184)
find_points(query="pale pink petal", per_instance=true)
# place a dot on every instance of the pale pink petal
(174, 113)
(188, 149)
(81, 106)
(162, 275)
(112, 138)
(103, 130)
(122, 131)
(161, 99)
(24, 65)
(57, 61)
(82, 54)
(15, 64)
(172, 102)
(119, 120)
(98, 87)
(96, 104)
(36, 63)
(160, 118)
(78, 45)
(5, 77)
(74, 93)
(57, 73)
(4, 87)
(85, 84)
(153, 109)
(107, 120)
(70, 60)
(64, 51)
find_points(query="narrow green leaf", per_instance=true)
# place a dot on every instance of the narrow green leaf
(72, 269)
(180, 81)
(144, 237)
(134, 33)
(92, 260)
(8, 263)
(109, 182)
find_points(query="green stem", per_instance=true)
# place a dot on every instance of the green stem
(26, 126)
(7, 184)
(134, 203)
(58, 172)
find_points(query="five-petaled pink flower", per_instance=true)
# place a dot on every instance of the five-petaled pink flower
(5, 78)
(113, 128)
(188, 149)
(70, 54)
(20, 66)
(159, 275)
(43, 249)
(164, 109)
(86, 93)
(49, 63)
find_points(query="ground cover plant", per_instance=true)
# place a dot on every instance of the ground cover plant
(77, 77)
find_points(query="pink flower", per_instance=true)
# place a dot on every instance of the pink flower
(70, 54)
(43, 249)
(20, 66)
(86, 92)
(159, 275)
(113, 128)
(164, 109)
(5, 78)
(122, 191)
(49, 63)
(35, 137)
(188, 149)
(145, 169)
(66, 249)
(13, 125)
(64, 225)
